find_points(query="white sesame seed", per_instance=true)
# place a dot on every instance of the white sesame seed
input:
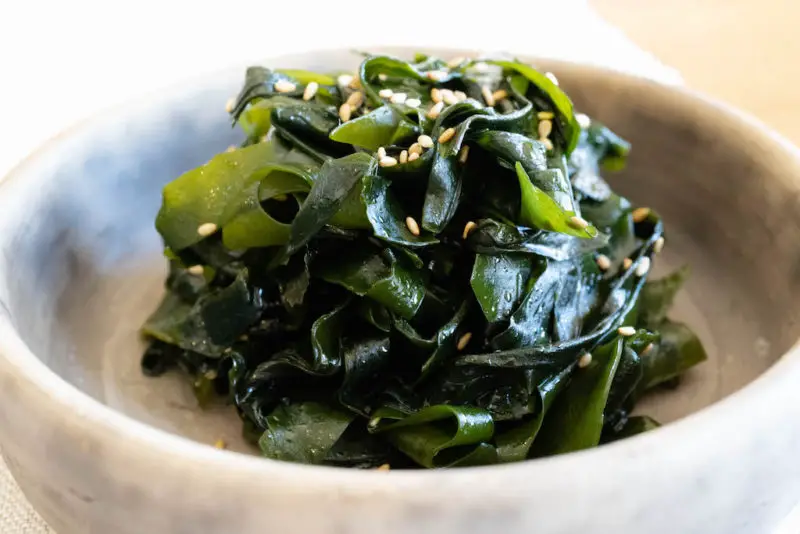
(463, 154)
(640, 214)
(487, 96)
(436, 95)
(206, 229)
(231, 148)
(500, 94)
(385, 93)
(345, 111)
(658, 246)
(404, 156)
(583, 120)
(446, 135)
(355, 99)
(436, 75)
(603, 262)
(355, 83)
(449, 97)
(398, 98)
(460, 95)
(383, 77)
(455, 62)
(643, 267)
(548, 144)
(413, 156)
(545, 127)
(344, 79)
(578, 222)
(211, 374)
(552, 77)
(415, 148)
(481, 67)
(388, 161)
(229, 105)
(585, 360)
(413, 102)
(412, 225)
(311, 90)
(196, 270)
(381, 152)
(435, 110)
(626, 331)
(463, 341)
(468, 229)
(626, 263)
(425, 141)
(545, 115)
(285, 86)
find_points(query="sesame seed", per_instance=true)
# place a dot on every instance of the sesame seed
(413, 102)
(385, 93)
(404, 156)
(211, 374)
(500, 94)
(220, 444)
(435, 110)
(412, 225)
(311, 90)
(446, 135)
(280, 198)
(383, 77)
(244, 337)
(264, 138)
(658, 246)
(230, 104)
(355, 83)
(436, 95)
(545, 127)
(643, 267)
(552, 77)
(585, 360)
(415, 148)
(468, 229)
(383, 467)
(345, 111)
(196, 270)
(603, 262)
(460, 95)
(545, 115)
(481, 67)
(626, 263)
(206, 229)
(647, 349)
(425, 141)
(344, 79)
(578, 222)
(463, 341)
(381, 152)
(463, 154)
(231, 148)
(413, 156)
(398, 98)
(640, 214)
(455, 62)
(284, 86)
(388, 161)
(487, 96)
(626, 331)
(548, 144)
(436, 75)
(583, 120)
(355, 100)
(449, 97)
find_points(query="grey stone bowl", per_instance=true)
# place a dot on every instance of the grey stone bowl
(97, 448)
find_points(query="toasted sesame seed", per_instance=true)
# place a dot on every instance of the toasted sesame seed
(500, 94)
(626, 263)
(355, 99)
(658, 246)
(436, 95)
(585, 360)
(388, 161)
(412, 225)
(280, 198)
(640, 214)
(206, 229)
(385, 93)
(552, 77)
(643, 267)
(230, 104)
(468, 229)
(460, 95)
(413, 102)
(435, 110)
(578, 222)
(381, 152)
(449, 97)
(487, 96)
(196, 270)
(455, 62)
(626, 331)
(413, 156)
(425, 141)
(310, 91)
(345, 111)
(446, 135)
(463, 341)
(383, 467)
(545, 115)
(463, 154)
(344, 79)
(404, 156)
(220, 444)
(415, 148)
(545, 127)
(231, 148)
(355, 83)
(603, 262)
(647, 349)
(398, 98)
(436, 75)
(243, 337)
(548, 144)
(285, 86)
(583, 120)
(383, 77)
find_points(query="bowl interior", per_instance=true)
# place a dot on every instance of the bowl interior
(82, 265)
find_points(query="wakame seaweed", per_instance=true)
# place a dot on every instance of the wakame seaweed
(416, 265)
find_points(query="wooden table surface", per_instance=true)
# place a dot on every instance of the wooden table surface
(743, 52)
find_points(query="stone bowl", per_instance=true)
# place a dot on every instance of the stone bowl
(98, 448)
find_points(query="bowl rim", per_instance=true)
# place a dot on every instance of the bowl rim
(102, 422)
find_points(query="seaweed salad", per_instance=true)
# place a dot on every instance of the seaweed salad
(416, 265)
